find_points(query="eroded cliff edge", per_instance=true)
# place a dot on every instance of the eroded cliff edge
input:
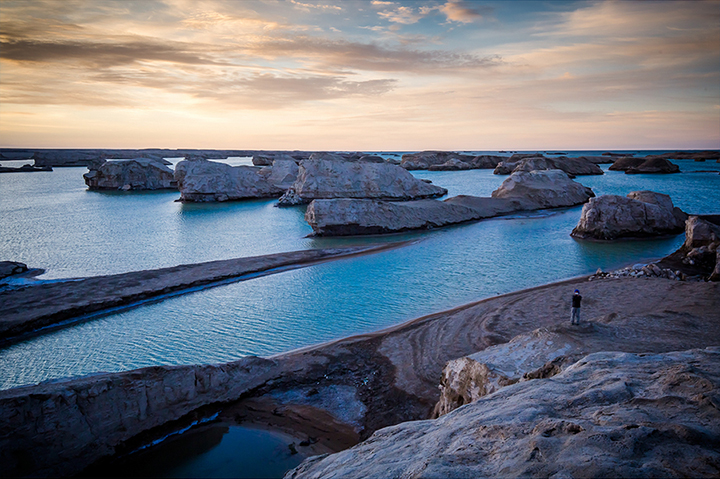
(387, 377)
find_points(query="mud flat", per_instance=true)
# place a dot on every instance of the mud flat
(366, 382)
(29, 308)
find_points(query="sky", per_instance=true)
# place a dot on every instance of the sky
(369, 75)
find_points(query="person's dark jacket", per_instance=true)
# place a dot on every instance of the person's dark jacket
(576, 300)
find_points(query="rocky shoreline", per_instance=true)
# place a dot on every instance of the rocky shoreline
(386, 377)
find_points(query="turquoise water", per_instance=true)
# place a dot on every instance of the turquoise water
(50, 220)
(214, 450)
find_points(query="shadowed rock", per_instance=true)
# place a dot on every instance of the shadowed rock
(572, 166)
(135, 174)
(424, 159)
(322, 179)
(9, 268)
(650, 164)
(24, 169)
(640, 214)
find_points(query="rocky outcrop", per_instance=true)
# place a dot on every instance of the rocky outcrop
(639, 215)
(608, 415)
(9, 268)
(24, 169)
(474, 163)
(632, 165)
(521, 192)
(545, 189)
(424, 159)
(135, 174)
(322, 179)
(697, 258)
(61, 428)
(282, 173)
(200, 180)
(572, 166)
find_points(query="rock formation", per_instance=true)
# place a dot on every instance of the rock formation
(470, 163)
(609, 415)
(698, 256)
(520, 192)
(9, 268)
(572, 166)
(640, 214)
(424, 159)
(282, 173)
(200, 180)
(24, 169)
(632, 165)
(321, 179)
(546, 189)
(135, 174)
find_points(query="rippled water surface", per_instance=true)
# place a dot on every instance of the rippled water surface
(51, 221)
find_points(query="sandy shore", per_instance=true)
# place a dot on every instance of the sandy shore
(28, 309)
(338, 392)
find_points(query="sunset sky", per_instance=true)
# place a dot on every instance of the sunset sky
(359, 75)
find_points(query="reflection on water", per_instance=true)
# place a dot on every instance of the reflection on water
(215, 450)
(60, 226)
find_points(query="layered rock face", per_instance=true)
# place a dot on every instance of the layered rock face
(546, 189)
(282, 173)
(521, 192)
(200, 180)
(424, 159)
(136, 174)
(701, 249)
(640, 214)
(608, 415)
(321, 179)
(571, 166)
(650, 164)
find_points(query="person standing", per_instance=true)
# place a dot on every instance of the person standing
(575, 310)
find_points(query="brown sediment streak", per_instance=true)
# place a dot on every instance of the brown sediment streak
(38, 308)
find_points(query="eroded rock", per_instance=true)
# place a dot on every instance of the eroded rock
(135, 174)
(572, 166)
(546, 189)
(609, 414)
(640, 214)
(200, 180)
(424, 159)
(323, 179)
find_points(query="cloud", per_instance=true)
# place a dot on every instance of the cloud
(316, 6)
(464, 11)
(372, 57)
(403, 15)
(101, 54)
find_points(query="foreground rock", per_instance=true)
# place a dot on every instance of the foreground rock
(44, 304)
(9, 268)
(639, 215)
(699, 255)
(60, 427)
(520, 192)
(609, 415)
(572, 166)
(135, 174)
(632, 165)
(200, 180)
(322, 179)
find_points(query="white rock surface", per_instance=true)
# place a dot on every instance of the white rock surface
(200, 180)
(322, 179)
(640, 214)
(545, 188)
